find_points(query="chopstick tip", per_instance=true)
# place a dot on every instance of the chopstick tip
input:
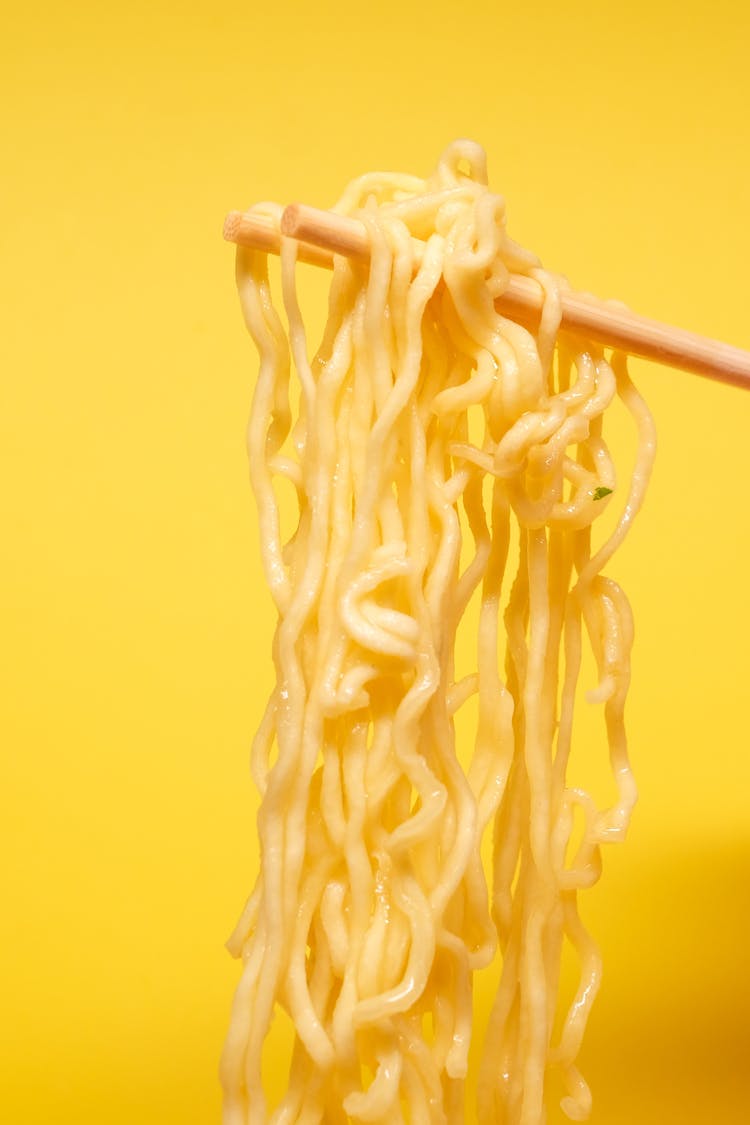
(231, 228)
(290, 220)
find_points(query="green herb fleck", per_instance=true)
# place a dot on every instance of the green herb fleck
(601, 492)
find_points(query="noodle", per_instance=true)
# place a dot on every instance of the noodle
(434, 440)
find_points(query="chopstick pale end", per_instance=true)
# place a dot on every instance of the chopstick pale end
(258, 231)
(337, 233)
(231, 229)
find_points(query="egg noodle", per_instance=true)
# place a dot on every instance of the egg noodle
(437, 450)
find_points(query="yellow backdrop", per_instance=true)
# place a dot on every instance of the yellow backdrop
(135, 624)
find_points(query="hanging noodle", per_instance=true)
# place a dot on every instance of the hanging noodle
(430, 430)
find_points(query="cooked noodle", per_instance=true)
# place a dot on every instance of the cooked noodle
(433, 442)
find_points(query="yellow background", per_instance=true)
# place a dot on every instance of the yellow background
(135, 625)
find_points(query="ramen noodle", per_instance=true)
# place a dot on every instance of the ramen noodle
(442, 457)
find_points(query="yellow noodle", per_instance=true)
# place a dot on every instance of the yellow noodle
(430, 436)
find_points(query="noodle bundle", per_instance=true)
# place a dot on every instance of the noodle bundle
(442, 457)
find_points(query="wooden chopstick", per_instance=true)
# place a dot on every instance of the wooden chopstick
(321, 234)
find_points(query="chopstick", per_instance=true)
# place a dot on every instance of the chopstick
(321, 234)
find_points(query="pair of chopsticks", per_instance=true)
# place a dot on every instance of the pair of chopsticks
(321, 234)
